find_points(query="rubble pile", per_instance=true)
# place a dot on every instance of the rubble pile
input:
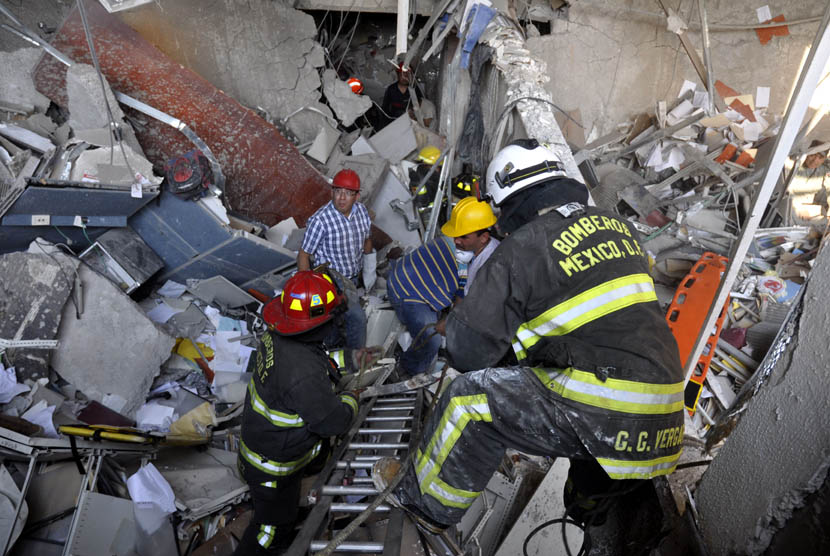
(686, 180)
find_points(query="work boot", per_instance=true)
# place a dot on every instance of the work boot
(384, 472)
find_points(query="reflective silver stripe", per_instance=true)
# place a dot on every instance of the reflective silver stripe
(440, 492)
(266, 536)
(566, 320)
(275, 417)
(622, 469)
(575, 385)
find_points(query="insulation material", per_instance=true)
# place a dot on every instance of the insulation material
(267, 178)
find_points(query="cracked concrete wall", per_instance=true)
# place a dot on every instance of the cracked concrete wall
(779, 451)
(615, 58)
(260, 52)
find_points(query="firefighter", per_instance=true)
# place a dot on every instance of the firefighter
(599, 379)
(290, 409)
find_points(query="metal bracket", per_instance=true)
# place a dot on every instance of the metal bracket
(400, 207)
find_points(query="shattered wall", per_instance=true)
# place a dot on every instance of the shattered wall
(260, 52)
(615, 58)
(780, 450)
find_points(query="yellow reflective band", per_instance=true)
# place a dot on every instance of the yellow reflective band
(625, 396)
(350, 401)
(296, 305)
(339, 357)
(329, 297)
(459, 411)
(584, 308)
(265, 536)
(451, 496)
(326, 276)
(277, 468)
(277, 418)
(642, 469)
(269, 484)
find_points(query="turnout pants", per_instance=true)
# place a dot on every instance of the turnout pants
(480, 415)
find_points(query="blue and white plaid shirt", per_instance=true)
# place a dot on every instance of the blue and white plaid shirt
(331, 237)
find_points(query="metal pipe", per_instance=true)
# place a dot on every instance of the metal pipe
(394, 408)
(377, 445)
(19, 504)
(355, 464)
(707, 57)
(344, 490)
(387, 419)
(401, 27)
(383, 431)
(357, 508)
(396, 400)
(370, 547)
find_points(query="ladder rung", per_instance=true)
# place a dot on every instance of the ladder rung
(364, 457)
(376, 419)
(394, 408)
(357, 508)
(362, 480)
(382, 431)
(395, 400)
(329, 490)
(378, 445)
(363, 547)
(355, 464)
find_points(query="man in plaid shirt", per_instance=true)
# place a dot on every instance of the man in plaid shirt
(338, 233)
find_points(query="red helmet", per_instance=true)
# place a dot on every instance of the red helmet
(347, 179)
(355, 84)
(307, 301)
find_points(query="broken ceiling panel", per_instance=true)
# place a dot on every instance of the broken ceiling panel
(267, 178)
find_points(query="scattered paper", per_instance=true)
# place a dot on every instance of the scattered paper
(762, 97)
(9, 388)
(153, 416)
(148, 487)
(172, 289)
(719, 120)
(764, 14)
(680, 112)
(701, 99)
(114, 402)
(687, 86)
(41, 414)
(228, 355)
(162, 312)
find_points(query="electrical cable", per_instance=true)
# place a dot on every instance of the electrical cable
(348, 44)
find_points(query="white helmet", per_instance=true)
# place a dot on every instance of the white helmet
(519, 165)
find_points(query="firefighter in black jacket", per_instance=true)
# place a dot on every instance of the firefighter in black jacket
(290, 409)
(599, 381)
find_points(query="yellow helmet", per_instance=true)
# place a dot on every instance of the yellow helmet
(429, 154)
(469, 215)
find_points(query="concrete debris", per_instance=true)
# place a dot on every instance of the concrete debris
(113, 333)
(87, 105)
(347, 106)
(16, 86)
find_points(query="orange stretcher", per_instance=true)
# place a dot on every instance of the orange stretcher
(687, 314)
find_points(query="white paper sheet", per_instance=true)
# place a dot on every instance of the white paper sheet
(701, 99)
(41, 414)
(162, 312)
(763, 14)
(687, 86)
(153, 416)
(9, 388)
(148, 486)
(762, 97)
(172, 289)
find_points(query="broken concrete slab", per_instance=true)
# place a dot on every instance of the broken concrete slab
(346, 105)
(34, 289)
(268, 179)
(108, 165)
(16, 85)
(113, 350)
(87, 105)
(395, 141)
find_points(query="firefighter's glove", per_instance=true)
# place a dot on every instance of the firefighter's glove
(370, 267)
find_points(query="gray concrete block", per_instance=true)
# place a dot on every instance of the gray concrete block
(113, 349)
(16, 85)
(346, 105)
(87, 109)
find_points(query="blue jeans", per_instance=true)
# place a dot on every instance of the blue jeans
(354, 320)
(414, 316)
